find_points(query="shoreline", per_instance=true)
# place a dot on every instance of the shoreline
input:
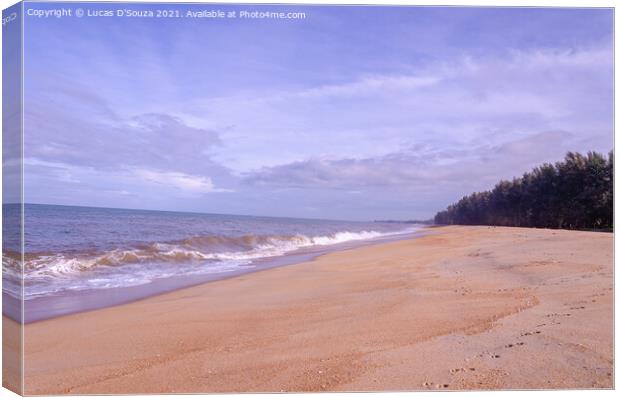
(67, 303)
(462, 308)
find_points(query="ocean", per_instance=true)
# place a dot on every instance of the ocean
(80, 249)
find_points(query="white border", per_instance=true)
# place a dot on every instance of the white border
(484, 3)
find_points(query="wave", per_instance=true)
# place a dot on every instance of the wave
(142, 263)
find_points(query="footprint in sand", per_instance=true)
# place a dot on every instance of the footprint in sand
(462, 369)
(558, 315)
(515, 344)
(438, 385)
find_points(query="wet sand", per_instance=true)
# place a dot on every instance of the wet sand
(69, 302)
(464, 308)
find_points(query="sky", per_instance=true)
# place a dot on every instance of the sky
(11, 117)
(357, 113)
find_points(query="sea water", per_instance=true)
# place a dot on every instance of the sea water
(71, 249)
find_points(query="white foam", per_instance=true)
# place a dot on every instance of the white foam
(52, 274)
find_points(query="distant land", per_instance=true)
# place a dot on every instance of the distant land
(576, 193)
(424, 222)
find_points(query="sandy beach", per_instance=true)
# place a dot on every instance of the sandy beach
(462, 308)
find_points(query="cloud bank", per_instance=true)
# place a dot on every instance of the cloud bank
(367, 122)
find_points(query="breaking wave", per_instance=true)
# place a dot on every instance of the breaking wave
(143, 263)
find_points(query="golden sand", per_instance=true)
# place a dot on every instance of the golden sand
(463, 308)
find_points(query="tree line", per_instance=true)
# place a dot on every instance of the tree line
(576, 193)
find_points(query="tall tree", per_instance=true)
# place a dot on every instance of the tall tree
(576, 193)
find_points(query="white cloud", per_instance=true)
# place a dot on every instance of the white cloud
(437, 171)
(445, 127)
(132, 180)
(370, 86)
(178, 180)
(463, 101)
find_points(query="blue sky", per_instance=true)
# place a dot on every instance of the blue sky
(11, 108)
(351, 113)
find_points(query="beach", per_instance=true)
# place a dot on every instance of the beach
(459, 308)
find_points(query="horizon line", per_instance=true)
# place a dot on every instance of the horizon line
(209, 213)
